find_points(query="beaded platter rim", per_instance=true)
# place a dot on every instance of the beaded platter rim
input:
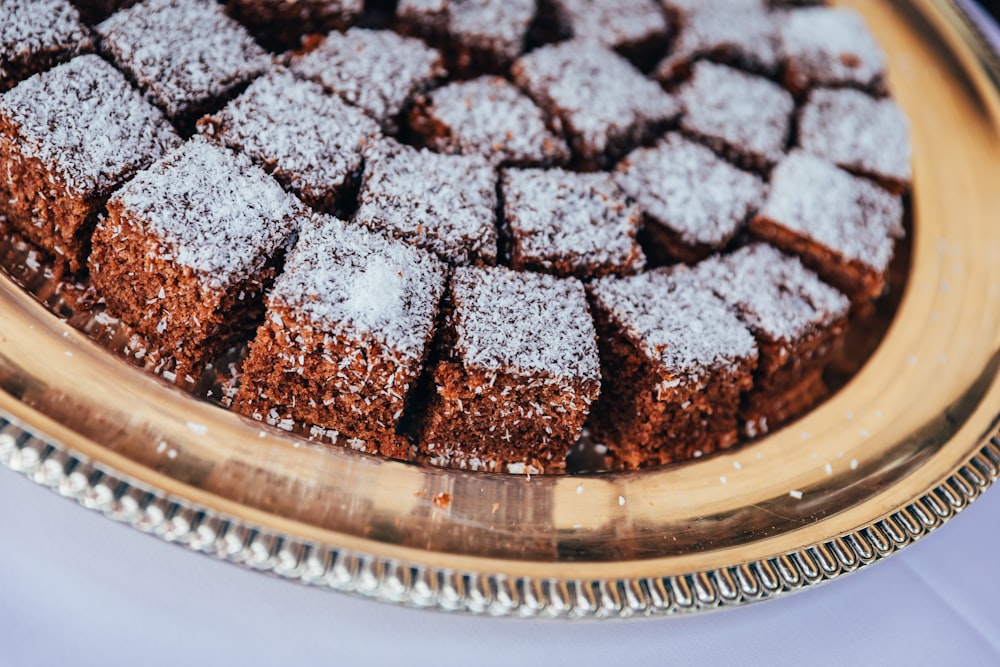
(27, 449)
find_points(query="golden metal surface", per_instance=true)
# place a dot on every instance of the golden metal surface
(875, 460)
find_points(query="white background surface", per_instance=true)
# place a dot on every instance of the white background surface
(78, 589)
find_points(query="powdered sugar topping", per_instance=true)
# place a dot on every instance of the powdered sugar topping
(345, 278)
(677, 322)
(376, 70)
(88, 124)
(212, 211)
(526, 323)
(490, 117)
(444, 203)
(773, 293)
(689, 190)
(849, 215)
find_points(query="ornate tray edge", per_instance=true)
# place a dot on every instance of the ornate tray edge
(204, 530)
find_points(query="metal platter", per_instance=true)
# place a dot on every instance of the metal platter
(907, 443)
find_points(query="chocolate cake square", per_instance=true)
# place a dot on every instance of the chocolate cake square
(68, 137)
(635, 28)
(605, 105)
(490, 117)
(443, 203)
(516, 373)
(348, 326)
(680, 11)
(309, 141)
(694, 202)
(830, 46)
(569, 224)
(36, 35)
(674, 363)
(187, 56)
(843, 227)
(866, 136)
(188, 249)
(799, 323)
(376, 70)
(742, 117)
(744, 36)
(476, 35)
(280, 24)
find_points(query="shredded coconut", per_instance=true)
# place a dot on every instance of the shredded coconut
(686, 188)
(87, 123)
(343, 277)
(33, 30)
(211, 210)
(444, 203)
(310, 141)
(736, 112)
(685, 9)
(376, 70)
(677, 322)
(858, 133)
(851, 216)
(830, 46)
(526, 323)
(497, 26)
(617, 23)
(741, 36)
(600, 98)
(182, 53)
(555, 215)
(773, 293)
(490, 117)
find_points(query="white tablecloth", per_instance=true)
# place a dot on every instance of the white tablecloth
(78, 589)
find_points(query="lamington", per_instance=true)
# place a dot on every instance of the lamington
(843, 227)
(280, 24)
(743, 117)
(188, 249)
(36, 35)
(490, 117)
(311, 142)
(569, 224)
(799, 323)
(187, 56)
(674, 363)
(68, 138)
(605, 106)
(866, 136)
(694, 203)
(515, 375)
(375, 70)
(476, 35)
(453, 215)
(348, 326)
(830, 46)
(743, 35)
(637, 29)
